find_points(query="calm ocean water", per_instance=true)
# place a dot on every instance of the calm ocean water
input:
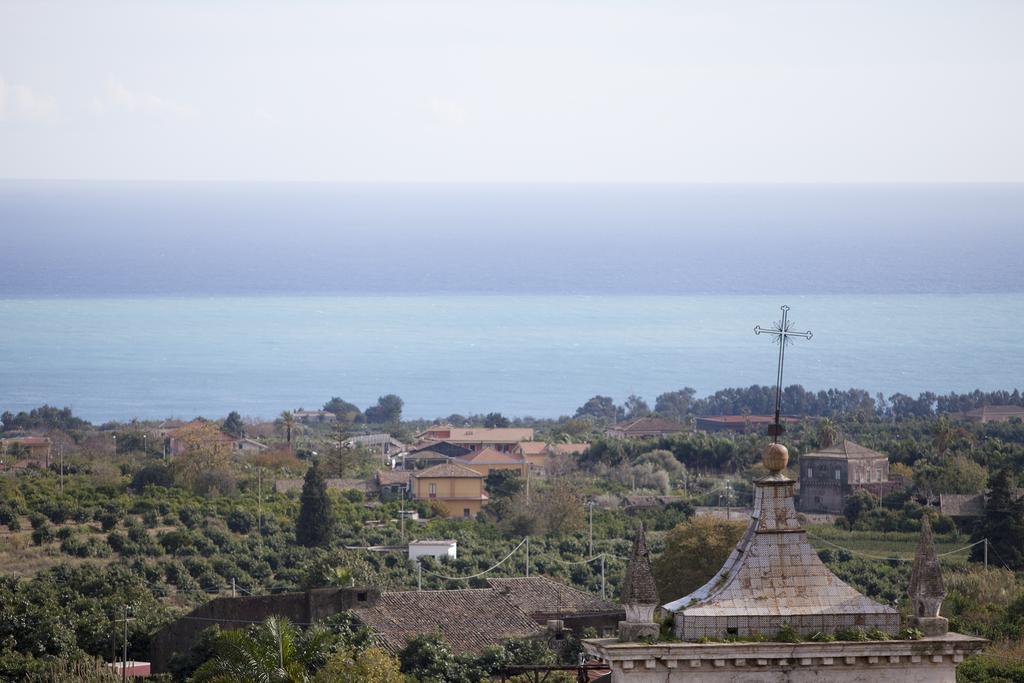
(521, 355)
(162, 299)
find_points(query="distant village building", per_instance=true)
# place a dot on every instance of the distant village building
(393, 484)
(250, 446)
(644, 427)
(568, 448)
(534, 453)
(490, 460)
(459, 489)
(738, 423)
(437, 549)
(314, 416)
(829, 476)
(986, 414)
(382, 444)
(502, 439)
(36, 448)
(773, 582)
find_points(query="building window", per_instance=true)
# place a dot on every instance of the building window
(878, 473)
(465, 512)
(433, 490)
(810, 473)
(838, 475)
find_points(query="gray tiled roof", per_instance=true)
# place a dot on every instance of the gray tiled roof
(469, 619)
(845, 449)
(539, 596)
(774, 577)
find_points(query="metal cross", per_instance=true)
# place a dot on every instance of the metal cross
(782, 330)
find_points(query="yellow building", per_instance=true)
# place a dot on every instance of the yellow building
(459, 489)
(488, 460)
(535, 453)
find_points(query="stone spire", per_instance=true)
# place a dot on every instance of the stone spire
(927, 589)
(774, 578)
(639, 593)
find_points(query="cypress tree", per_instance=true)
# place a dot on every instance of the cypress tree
(315, 523)
(1003, 522)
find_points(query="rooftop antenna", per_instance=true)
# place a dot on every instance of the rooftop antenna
(782, 331)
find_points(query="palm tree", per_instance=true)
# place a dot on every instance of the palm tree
(287, 420)
(828, 433)
(274, 651)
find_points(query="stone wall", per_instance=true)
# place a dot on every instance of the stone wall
(239, 612)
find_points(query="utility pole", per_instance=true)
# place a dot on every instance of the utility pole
(232, 586)
(124, 644)
(60, 453)
(401, 515)
(419, 576)
(259, 499)
(527, 486)
(590, 552)
(986, 553)
(602, 576)
(527, 557)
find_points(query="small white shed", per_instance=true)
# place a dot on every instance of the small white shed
(438, 549)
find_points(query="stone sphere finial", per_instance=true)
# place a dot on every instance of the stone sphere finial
(776, 456)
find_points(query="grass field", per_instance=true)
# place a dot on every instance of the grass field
(886, 544)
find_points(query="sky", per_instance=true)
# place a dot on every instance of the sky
(557, 91)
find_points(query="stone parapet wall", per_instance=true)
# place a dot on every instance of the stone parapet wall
(931, 660)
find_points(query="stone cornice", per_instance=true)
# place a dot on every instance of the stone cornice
(951, 648)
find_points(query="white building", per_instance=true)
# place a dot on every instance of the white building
(438, 549)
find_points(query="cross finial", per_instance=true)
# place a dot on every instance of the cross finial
(782, 330)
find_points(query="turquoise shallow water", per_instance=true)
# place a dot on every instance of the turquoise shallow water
(521, 355)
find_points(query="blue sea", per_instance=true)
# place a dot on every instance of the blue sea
(177, 300)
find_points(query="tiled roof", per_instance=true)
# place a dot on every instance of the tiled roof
(996, 413)
(569, 448)
(28, 440)
(479, 434)
(532, 447)
(448, 469)
(539, 597)
(648, 424)
(469, 619)
(639, 587)
(741, 419)
(845, 449)
(489, 456)
(392, 477)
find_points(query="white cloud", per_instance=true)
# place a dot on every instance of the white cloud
(448, 112)
(117, 98)
(22, 103)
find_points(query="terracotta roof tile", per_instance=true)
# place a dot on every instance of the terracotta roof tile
(469, 619)
(448, 469)
(539, 597)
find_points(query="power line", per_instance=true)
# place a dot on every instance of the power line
(478, 574)
(890, 559)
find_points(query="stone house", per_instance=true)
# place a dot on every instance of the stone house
(829, 476)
